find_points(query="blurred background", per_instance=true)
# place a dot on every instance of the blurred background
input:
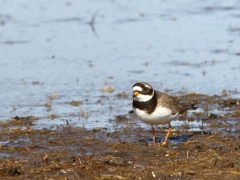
(76, 61)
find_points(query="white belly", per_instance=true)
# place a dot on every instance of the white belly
(161, 115)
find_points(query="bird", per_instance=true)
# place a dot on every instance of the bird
(154, 107)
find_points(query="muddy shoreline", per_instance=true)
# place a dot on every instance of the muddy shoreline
(67, 70)
(126, 153)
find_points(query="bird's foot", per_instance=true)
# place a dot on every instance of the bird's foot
(164, 143)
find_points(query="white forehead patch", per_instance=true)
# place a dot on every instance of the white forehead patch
(137, 88)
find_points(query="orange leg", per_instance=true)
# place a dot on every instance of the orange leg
(154, 135)
(168, 133)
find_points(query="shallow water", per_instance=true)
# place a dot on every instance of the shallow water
(57, 47)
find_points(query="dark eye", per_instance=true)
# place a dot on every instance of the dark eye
(145, 89)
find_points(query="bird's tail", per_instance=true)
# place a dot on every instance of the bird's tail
(187, 106)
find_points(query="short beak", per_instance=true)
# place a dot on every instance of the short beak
(135, 93)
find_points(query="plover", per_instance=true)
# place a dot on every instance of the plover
(154, 107)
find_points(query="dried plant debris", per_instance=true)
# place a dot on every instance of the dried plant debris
(27, 119)
(99, 101)
(53, 96)
(35, 82)
(131, 112)
(107, 89)
(122, 95)
(77, 153)
(125, 151)
(122, 118)
(76, 103)
(212, 116)
(231, 102)
(18, 120)
(48, 105)
(52, 116)
(84, 114)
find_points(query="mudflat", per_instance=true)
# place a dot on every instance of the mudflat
(71, 152)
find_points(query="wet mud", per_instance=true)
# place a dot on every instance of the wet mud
(71, 152)
(67, 69)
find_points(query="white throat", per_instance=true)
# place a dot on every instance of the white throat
(143, 98)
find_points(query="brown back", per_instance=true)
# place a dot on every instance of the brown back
(168, 102)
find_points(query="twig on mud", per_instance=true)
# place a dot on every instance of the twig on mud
(215, 162)
(90, 159)
(115, 145)
(56, 155)
(193, 141)
(110, 176)
(44, 159)
(211, 136)
(215, 154)
(170, 161)
(67, 122)
(84, 115)
(231, 171)
(54, 163)
(109, 136)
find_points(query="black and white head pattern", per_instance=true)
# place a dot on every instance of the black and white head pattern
(142, 92)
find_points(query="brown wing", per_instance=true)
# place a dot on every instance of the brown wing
(168, 102)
